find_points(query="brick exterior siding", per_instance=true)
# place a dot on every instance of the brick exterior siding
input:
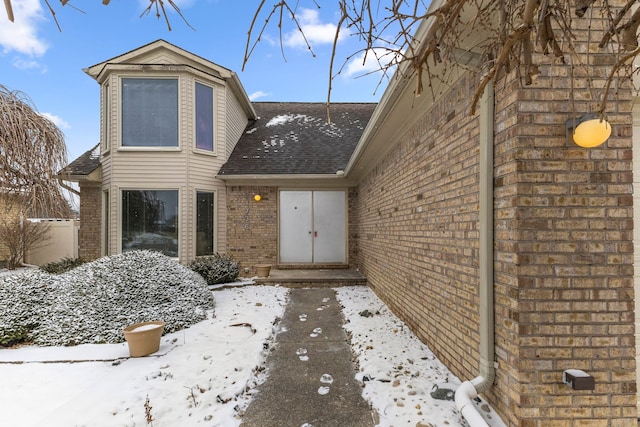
(252, 232)
(89, 236)
(563, 252)
(418, 230)
(253, 226)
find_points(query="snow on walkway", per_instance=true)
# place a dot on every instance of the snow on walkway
(202, 373)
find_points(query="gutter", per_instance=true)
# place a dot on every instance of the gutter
(67, 187)
(469, 390)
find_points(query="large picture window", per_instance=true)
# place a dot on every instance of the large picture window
(204, 223)
(150, 221)
(149, 112)
(204, 117)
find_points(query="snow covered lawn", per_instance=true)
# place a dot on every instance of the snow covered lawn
(203, 375)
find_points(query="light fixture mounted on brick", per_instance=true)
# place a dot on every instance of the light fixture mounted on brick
(588, 130)
(257, 197)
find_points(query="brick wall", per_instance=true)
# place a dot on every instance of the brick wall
(564, 254)
(252, 232)
(253, 226)
(563, 250)
(89, 236)
(418, 230)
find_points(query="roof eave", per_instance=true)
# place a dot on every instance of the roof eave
(390, 97)
(290, 180)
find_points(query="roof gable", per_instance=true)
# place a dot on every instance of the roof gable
(159, 52)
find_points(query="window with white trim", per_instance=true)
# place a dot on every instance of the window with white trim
(204, 223)
(150, 221)
(204, 120)
(149, 112)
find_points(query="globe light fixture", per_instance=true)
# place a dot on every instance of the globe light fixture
(588, 130)
(257, 197)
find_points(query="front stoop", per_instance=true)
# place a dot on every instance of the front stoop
(313, 278)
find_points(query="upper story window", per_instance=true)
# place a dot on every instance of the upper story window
(204, 117)
(149, 112)
(106, 110)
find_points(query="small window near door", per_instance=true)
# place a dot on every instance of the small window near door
(204, 223)
(105, 222)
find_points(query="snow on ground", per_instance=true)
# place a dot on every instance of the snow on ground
(201, 375)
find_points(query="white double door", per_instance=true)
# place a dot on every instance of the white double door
(313, 227)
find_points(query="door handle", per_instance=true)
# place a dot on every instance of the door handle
(315, 234)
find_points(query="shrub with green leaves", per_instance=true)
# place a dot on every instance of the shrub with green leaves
(216, 268)
(64, 265)
(95, 301)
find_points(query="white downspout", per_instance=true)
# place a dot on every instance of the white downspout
(469, 390)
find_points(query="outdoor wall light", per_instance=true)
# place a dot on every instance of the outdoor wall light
(588, 131)
(257, 197)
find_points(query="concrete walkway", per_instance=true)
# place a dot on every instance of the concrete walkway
(310, 379)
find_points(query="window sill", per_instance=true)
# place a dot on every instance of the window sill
(205, 152)
(150, 149)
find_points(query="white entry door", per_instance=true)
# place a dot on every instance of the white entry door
(313, 227)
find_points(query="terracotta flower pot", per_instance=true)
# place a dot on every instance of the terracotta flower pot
(144, 338)
(263, 270)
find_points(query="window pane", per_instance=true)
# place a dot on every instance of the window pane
(204, 117)
(204, 224)
(106, 105)
(149, 112)
(150, 221)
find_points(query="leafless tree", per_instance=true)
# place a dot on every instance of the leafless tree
(505, 34)
(32, 151)
(17, 234)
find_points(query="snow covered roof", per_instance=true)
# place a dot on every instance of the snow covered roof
(85, 164)
(296, 138)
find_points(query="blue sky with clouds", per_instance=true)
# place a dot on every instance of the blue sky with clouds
(46, 64)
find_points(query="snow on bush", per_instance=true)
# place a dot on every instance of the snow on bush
(94, 302)
(216, 268)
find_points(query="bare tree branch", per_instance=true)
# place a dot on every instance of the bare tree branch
(506, 34)
(32, 151)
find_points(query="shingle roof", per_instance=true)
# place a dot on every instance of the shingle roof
(85, 164)
(296, 138)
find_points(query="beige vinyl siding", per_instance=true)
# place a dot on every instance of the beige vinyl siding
(160, 58)
(236, 122)
(184, 168)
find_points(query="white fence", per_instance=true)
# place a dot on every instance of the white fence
(62, 242)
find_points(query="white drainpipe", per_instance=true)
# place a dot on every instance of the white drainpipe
(469, 390)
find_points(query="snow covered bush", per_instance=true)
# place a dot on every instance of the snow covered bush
(94, 302)
(65, 264)
(20, 297)
(216, 268)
